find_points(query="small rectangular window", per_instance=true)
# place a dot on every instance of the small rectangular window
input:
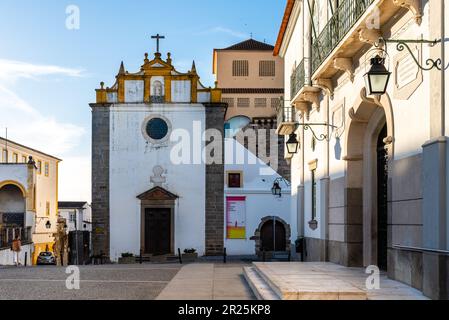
(267, 68)
(235, 180)
(243, 102)
(39, 167)
(229, 101)
(47, 209)
(47, 169)
(313, 173)
(260, 102)
(72, 216)
(24, 159)
(275, 102)
(15, 158)
(240, 68)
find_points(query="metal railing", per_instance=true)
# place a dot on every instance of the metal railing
(285, 113)
(346, 15)
(8, 234)
(299, 78)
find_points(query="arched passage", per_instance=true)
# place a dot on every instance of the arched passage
(272, 234)
(371, 128)
(12, 211)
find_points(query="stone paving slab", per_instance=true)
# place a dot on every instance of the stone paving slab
(208, 281)
(328, 281)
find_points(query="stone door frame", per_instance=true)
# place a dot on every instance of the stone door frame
(157, 204)
(157, 198)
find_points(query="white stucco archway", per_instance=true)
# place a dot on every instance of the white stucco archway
(368, 117)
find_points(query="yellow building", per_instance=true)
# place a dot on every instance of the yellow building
(251, 79)
(28, 195)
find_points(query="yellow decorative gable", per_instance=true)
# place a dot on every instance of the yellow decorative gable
(158, 82)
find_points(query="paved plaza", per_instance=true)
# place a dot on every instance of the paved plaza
(200, 281)
(105, 282)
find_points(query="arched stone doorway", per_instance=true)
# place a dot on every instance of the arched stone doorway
(272, 234)
(371, 130)
(12, 199)
(12, 211)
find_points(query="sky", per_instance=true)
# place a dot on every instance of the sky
(49, 73)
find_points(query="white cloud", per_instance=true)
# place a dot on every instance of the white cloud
(236, 34)
(28, 126)
(11, 70)
(75, 179)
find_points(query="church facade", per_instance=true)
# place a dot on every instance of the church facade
(144, 200)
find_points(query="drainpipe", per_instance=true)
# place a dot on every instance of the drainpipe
(443, 71)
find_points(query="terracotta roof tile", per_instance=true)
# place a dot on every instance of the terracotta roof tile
(251, 44)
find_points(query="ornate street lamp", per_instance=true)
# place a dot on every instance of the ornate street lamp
(377, 77)
(276, 190)
(293, 144)
(48, 224)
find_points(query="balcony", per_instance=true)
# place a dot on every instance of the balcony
(298, 79)
(347, 14)
(285, 119)
(347, 32)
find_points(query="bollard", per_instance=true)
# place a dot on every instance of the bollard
(179, 256)
(141, 258)
(224, 255)
(26, 258)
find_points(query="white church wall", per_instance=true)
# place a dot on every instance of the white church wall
(132, 160)
(203, 96)
(134, 90)
(181, 91)
(258, 180)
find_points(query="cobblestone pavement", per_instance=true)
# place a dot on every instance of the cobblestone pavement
(116, 282)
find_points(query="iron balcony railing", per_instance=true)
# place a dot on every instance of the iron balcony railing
(299, 78)
(346, 15)
(285, 113)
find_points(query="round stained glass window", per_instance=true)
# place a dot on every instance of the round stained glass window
(157, 129)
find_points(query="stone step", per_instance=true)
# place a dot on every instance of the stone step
(258, 285)
(303, 281)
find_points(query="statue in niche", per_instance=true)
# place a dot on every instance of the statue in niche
(158, 94)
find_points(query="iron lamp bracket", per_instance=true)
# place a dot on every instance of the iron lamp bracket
(402, 45)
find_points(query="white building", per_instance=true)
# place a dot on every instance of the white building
(248, 196)
(28, 196)
(373, 192)
(78, 215)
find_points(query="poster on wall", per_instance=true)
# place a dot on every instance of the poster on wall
(236, 217)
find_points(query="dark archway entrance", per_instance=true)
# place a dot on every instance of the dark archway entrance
(382, 201)
(273, 236)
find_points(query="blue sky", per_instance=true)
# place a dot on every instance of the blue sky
(48, 73)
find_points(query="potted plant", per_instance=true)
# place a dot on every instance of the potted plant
(127, 258)
(189, 255)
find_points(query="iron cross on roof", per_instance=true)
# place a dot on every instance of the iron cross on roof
(157, 37)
